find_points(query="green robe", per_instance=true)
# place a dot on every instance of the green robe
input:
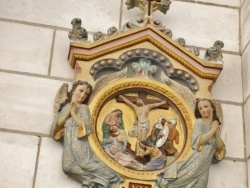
(106, 130)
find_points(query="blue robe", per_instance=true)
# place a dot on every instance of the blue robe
(192, 173)
(79, 161)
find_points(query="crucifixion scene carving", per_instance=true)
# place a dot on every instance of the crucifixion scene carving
(140, 108)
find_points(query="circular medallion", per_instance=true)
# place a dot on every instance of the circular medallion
(128, 133)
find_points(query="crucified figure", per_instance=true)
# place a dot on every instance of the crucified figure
(143, 123)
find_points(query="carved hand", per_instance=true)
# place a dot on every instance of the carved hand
(68, 114)
(73, 108)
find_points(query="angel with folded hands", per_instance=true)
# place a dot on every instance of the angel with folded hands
(73, 126)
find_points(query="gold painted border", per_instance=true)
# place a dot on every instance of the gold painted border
(137, 83)
(150, 39)
(137, 30)
(158, 45)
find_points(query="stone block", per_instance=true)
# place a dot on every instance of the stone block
(235, 3)
(230, 80)
(50, 173)
(228, 174)
(247, 125)
(60, 65)
(245, 24)
(95, 15)
(25, 48)
(232, 131)
(18, 159)
(241, 2)
(248, 170)
(200, 25)
(246, 72)
(27, 102)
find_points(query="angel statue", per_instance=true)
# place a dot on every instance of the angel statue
(207, 147)
(73, 126)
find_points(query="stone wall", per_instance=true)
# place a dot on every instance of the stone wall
(33, 65)
(245, 51)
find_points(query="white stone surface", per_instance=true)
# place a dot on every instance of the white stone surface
(60, 64)
(248, 169)
(245, 24)
(247, 125)
(18, 158)
(246, 72)
(95, 15)
(230, 80)
(222, 2)
(242, 1)
(232, 131)
(50, 173)
(200, 25)
(25, 48)
(27, 102)
(228, 174)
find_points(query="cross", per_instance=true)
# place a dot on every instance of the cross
(143, 96)
(141, 109)
(150, 6)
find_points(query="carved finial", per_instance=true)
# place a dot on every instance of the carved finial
(128, 25)
(215, 53)
(112, 31)
(149, 6)
(78, 33)
(181, 41)
(194, 50)
(144, 68)
(98, 36)
(168, 32)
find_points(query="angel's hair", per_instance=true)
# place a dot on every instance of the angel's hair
(70, 93)
(197, 112)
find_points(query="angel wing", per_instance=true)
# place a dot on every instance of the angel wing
(218, 109)
(61, 96)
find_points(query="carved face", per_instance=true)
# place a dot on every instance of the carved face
(139, 102)
(114, 129)
(205, 109)
(80, 94)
